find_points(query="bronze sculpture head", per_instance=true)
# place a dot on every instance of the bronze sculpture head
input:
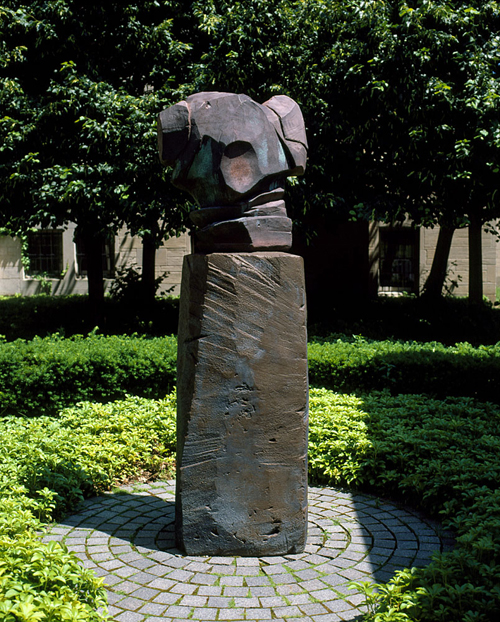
(233, 155)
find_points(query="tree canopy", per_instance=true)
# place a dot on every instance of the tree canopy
(400, 98)
(81, 85)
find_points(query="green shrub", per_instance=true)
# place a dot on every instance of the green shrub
(44, 582)
(47, 465)
(441, 456)
(43, 376)
(26, 317)
(350, 364)
(448, 320)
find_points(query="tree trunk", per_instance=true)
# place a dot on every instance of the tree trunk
(148, 268)
(93, 250)
(475, 261)
(433, 287)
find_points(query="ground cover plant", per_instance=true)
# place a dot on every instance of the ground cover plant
(437, 455)
(47, 465)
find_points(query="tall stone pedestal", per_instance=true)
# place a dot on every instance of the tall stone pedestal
(242, 405)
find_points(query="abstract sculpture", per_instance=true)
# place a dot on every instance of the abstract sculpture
(241, 485)
(233, 155)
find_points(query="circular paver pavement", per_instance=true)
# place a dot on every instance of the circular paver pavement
(128, 539)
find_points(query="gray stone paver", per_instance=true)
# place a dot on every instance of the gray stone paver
(128, 539)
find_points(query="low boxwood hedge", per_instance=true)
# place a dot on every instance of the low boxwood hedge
(350, 364)
(42, 376)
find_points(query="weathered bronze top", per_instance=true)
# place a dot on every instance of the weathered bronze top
(233, 155)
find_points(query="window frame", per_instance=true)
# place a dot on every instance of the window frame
(404, 261)
(41, 263)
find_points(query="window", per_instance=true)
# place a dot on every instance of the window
(45, 253)
(398, 267)
(108, 257)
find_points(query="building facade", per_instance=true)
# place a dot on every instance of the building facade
(401, 257)
(52, 262)
(355, 259)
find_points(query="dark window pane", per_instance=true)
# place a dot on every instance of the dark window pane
(45, 253)
(398, 259)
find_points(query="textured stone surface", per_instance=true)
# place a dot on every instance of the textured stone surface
(242, 405)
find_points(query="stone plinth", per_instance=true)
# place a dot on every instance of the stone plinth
(242, 405)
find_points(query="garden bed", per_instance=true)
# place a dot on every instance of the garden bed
(438, 455)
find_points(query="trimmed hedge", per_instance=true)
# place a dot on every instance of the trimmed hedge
(350, 364)
(43, 376)
(448, 320)
(26, 317)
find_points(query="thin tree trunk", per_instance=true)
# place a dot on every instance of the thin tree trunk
(475, 261)
(148, 268)
(93, 251)
(433, 287)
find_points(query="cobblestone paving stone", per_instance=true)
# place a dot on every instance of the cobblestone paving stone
(128, 539)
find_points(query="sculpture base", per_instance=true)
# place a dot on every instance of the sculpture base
(242, 405)
(245, 235)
